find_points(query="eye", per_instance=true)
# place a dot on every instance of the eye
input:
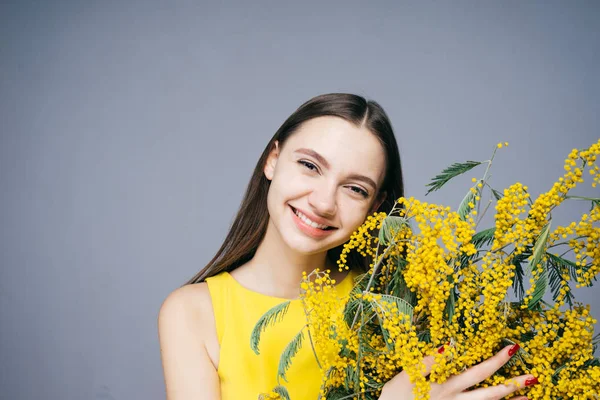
(308, 165)
(360, 191)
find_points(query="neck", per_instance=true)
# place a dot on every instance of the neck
(276, 269)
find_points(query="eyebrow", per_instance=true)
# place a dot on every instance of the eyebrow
(322, 160)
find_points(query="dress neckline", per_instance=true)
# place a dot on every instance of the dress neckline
(281, 299)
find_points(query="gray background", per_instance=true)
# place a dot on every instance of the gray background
(129, 131)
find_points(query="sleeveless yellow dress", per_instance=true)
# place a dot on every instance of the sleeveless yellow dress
(244, 374)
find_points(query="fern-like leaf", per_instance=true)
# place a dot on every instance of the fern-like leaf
(535, 264)
(275, 314)
(282, 391)
(595, 200)
(555, 276)
(352, 377)
(288, 353)
(519, 357)
(497, 194)
(403, 306)
(339, 393)
(398, 287)
(541, 285)
(390, 226)
(450, 305)
(483, 238)
(518, 281)
(465, 205)
(539, 249)
(350, 310)
(449, 173)
(564, 263)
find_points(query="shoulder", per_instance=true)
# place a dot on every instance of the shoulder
(187, 305)
(188, 346)
(186, 319)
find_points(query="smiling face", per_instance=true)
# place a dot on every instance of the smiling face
(328, 173)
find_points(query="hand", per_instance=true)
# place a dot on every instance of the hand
(400, 387)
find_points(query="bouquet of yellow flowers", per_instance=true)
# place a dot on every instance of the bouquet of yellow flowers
(435, 282)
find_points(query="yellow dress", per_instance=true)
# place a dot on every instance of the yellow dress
(244, 374)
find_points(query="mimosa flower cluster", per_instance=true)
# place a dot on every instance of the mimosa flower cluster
(437, 283)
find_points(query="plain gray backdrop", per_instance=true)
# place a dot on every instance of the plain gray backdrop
(129, 130)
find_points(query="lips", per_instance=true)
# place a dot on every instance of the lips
(313, 219)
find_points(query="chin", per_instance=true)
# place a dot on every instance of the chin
(305, 245)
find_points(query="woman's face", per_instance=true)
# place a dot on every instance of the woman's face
(330, 171)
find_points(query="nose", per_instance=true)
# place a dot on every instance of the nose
(323, 200)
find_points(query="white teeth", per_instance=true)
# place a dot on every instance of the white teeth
(308, 221)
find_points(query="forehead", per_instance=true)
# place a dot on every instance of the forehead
(345, 146)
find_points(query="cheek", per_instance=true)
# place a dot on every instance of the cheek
(287, 185)
(354, 215)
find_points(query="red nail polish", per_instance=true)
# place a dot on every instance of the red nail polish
(531, 381)
(513, 349)
(442, 349)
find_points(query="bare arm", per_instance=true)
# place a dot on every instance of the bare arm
(182, 323)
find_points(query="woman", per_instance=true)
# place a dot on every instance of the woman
(332, 163)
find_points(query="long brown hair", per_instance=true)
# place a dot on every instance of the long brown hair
(250, 223)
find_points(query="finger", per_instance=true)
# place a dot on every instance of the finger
(500, 391)
(483, 370)
(428, 362)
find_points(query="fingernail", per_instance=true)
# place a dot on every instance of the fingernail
(513, 349)
(531, 381)
(442, 349)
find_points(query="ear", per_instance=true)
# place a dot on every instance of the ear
(271, 162)
(380, 199)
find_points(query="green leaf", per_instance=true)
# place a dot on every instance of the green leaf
(397, 285)
(594, 362)
(449, 173)
(350, 310)
(596, 343)
(595, 200)
(391, 223)
(288, 353)
(275, 314)
(450, 304)
(518, 284)
(564, 263)
(518, 358)
(339, 393)
(464, 208)
(497, 194)
(424, 336)
(282, 391)
(539, 249)
(351, 378)
(555, 276)
(541, 284)
(483, 238)
(404, 307)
